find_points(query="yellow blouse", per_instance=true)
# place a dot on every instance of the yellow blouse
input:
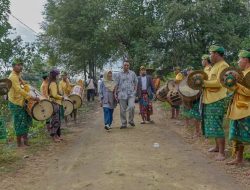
(54, 94)
(207, 69)
(213, 90)
(44, 89)
(65, 87)
(240, 107)
(17, 94)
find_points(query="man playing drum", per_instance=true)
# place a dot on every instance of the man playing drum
(17, 96)
(64, 89)
(44, 86)
(175, 109)
(214, 99)
(239, 112)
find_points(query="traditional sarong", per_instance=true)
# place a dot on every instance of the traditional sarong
(55, 121)
(240, 130)
(213, 119)
(21, 119)
(194, 112)
(146, 107)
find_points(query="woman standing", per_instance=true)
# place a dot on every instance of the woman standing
(55, 122)
(107, 98)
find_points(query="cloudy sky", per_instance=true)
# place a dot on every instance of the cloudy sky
(30, 13)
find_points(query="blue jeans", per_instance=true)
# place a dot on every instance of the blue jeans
(108, 116)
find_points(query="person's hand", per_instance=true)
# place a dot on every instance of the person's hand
(100, 102)
(35, 99)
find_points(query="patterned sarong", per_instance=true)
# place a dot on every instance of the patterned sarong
(213, 119)
(55, 121)
(240, 130)
(21, 119)
(145, 102)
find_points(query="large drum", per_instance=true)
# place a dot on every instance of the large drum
(187, 93)
(76, 96)
(172, 85)
(5, 85)
(162, 93)
(174, 98)
(41, 110)
(68, 106)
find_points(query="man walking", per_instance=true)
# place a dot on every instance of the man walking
(126, 90)
(145, 93)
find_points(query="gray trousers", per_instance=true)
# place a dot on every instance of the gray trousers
(127, 105)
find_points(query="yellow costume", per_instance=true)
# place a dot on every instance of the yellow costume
(17, 94)
(214, 91)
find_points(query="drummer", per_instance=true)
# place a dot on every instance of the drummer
(65, 88)
(206, 63)
(239, 112)
(56, 98)
(44, 86)
(17, 96)
(44, 91)
(175, 109)
(214, 97)
(192, 113)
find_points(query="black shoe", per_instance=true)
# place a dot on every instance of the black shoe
(132, 124)
(123, 127)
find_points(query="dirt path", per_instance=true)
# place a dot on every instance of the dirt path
(121, 160)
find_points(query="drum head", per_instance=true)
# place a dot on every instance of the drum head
(171, 85)
(76, 100)
(42, 110)
(186, 91)
(162, 93)
(68, 107)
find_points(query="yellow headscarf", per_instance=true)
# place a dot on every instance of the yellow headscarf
(109, 84)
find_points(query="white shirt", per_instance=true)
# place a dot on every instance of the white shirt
(144, 82)
(91, 84)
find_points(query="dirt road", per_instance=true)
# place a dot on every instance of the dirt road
(93, 159)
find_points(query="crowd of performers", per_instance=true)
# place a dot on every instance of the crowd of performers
(206, 114)
(52, 89)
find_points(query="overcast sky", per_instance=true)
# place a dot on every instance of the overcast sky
(30, 13)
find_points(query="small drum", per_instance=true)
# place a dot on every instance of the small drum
(76, 96)
(41, 110)
(174, 98)
(67, 106)
(187, 93)
(162, 93)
